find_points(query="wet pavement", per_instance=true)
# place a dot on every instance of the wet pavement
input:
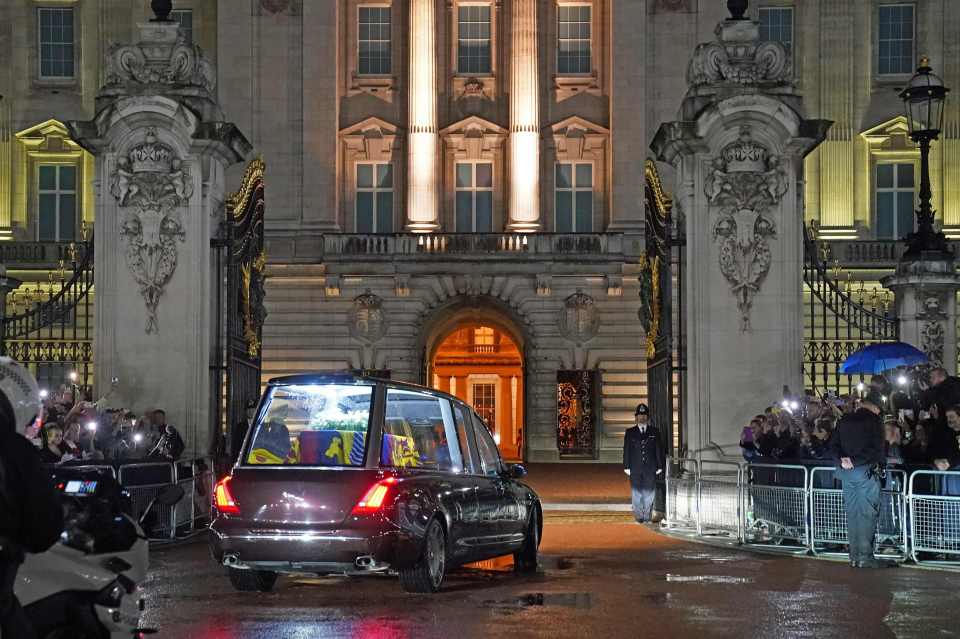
(603, 577)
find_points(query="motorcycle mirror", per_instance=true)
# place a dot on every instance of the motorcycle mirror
(170, 495)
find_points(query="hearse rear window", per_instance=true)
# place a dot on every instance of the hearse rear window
(313, 425)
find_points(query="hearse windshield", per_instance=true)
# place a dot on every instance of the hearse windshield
(313, 425)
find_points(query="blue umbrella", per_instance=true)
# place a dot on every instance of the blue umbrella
(876, 358)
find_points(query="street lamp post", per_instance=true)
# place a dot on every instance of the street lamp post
(923, 100)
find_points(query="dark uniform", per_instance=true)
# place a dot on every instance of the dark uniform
(644, 457)
(30, 521)
(859, 436)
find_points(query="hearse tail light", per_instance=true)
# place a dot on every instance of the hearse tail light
(372, 502)
(223, 499)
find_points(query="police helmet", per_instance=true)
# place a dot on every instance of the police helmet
(22, 394)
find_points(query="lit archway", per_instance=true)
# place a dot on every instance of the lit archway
(477, 358)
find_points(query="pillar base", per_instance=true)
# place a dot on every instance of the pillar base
(422, 227)
(524, 227)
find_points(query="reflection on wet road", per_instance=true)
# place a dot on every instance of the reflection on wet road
(603, 578)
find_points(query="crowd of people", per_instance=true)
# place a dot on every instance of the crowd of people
(76, 429)
(921, 421)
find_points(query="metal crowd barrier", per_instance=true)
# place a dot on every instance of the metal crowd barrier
(143, 481)
(799, 509)
(719, 500)
(775, 499)
(681, 494)
(828, 526)
(935, 516)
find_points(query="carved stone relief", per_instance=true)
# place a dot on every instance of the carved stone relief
(579, 320)
(740, 63)
(744, 182)
(932, 340)
(367, 321)
(151, 183)
(672, 6)
(275, 7)
(183, 64)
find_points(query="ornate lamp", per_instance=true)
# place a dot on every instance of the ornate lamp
(923, 100)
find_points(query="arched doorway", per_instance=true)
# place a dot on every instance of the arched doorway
(477, 357)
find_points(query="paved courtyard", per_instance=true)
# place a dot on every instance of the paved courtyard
(603, 577)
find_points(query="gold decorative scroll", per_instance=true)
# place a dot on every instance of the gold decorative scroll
(237, 203)
(249, 327)
(653, 332)
(662, 201)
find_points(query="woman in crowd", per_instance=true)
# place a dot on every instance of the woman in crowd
(892, 442)
(52, 453)
(748, 439)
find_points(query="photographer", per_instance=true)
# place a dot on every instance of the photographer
(943, 392)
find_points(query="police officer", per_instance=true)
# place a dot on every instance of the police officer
(858, 453)
(643, 461)
(31, 518)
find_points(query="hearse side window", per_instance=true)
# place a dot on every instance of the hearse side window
(415, 433)
(471, 464)
(487, 448)
(313, 425)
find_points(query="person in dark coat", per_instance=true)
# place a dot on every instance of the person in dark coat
(31, 518)
(858, 451)
(944, 392)
(643, 462)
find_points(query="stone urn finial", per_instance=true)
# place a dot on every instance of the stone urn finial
(737, 9)
(161, 10)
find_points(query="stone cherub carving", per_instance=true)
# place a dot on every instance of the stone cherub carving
(151, 183)
(745, 181)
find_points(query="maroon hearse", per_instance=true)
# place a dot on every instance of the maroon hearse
(343, 474)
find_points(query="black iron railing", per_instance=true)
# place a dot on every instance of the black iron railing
(50, 329)
(835, 325)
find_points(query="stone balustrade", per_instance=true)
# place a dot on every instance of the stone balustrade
(443, 245)
(32, 255)
(868, 253)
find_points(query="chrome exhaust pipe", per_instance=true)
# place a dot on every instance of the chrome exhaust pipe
(231, 559)
(365, 562)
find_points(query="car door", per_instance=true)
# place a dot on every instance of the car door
(471, 472)
(499, 509)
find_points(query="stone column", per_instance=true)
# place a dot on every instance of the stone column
(926, 304)
(7, 284)
(161, 147)
(423, 141)
(524, 208)
(739, 151)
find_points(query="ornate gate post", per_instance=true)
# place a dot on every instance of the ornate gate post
(161, 146)
(926, 305)
(739, 148)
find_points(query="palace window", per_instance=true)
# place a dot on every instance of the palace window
(776, 25)
(374, 197)
(473, 40)
(895, 200)
(55, 39)
(483, 340)
(374, 41)
(574, 197)
(56, 202)
(574, 39)
(896, 36)
(185, 18)
(474, 197)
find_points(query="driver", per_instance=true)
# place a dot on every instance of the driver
(31, 518)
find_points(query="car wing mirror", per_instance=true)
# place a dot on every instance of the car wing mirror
(515, 471)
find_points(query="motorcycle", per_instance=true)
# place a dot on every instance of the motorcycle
(87, 585)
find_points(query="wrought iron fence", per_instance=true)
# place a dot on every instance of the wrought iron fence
(50, 328)
(835, 325)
